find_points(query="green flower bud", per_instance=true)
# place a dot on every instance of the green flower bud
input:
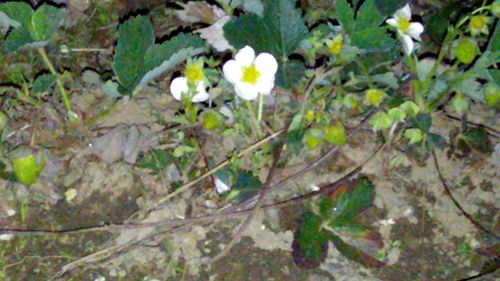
(27, 164)
(465, 50)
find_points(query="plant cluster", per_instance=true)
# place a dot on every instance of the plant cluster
(267, 67)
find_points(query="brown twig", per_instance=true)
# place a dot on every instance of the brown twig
(258, 205)
(459, 207)
(489, 130)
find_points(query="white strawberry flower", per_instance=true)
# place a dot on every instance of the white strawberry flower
(251, 75)
(191, 84)
(407, 30)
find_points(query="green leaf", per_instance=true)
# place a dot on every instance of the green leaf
(137, 60)
(348, 201)
(310, 242)
(398, 115)
(45, 22)
(422, 121)
(279, 31)
(381, 121)
(364, 30)
(414, 135)
(388, 7)
(313, 138)
(162, 57)
(290, 73)
(494, 44)
(335, 134)
(155, 161)
(18, 38)
(247, 185)
(135, 36)
(478, 139)
(43, 83)
(20, 12)
(212, 119)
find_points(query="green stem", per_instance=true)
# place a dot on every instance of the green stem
(52, 70)
(257, 131)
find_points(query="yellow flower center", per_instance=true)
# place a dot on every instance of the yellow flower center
(477, 22)
(250, 74)
(403, 25)
(194, 73)
(336, 46)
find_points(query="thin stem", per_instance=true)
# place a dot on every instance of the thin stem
(255, 121)
(52, 70)
(261, 105)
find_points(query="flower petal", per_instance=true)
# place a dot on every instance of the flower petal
(404, 12)
(232, 71)
(407, 44)
(246, 91)
(265, 85)
(266, 64)
(201, 93)
(415, 29)
(245, 56)
(392, 22)
(179, 86)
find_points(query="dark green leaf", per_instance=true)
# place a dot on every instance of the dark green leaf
(365, 31)
(18, 38)
(494, 44)
(156, 160)
(388, 7)
(279, 31)
(478, 139)
(18, 11)
(290, 73)
(43, 83)
(348, 201)
(135, 36)
(310, 242)
(247, 185)
(434, 141)
(422, 121)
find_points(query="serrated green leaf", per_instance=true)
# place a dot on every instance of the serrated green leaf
(494, 44)
(247, 185)
(279, 31)
(43, 82)
(381, 121)
(388, 7)
(344, 15)
(162, 57)
(18, 38)
(45, 21)
(20, 12)
(349, 201)
(310, 242)
(135, 36)
(365, 31)
(290, 73)
(155, 161)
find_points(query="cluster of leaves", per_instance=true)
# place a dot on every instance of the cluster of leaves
(338, 217)
(356, 67)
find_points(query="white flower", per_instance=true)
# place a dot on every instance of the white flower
(194, 78)
(406, 29)
(180, 87)
(251, 75)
